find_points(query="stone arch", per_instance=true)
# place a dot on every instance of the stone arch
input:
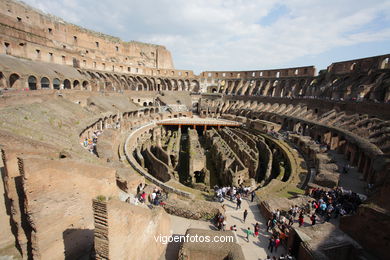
(56, 83)
(195, 86)
(14, 81)
(45, 83)
(3, 81)
(187, 85)
(85, 85)
(385, 64)
(180, 84)
(32, 82)
(76, 84)
(67, 84)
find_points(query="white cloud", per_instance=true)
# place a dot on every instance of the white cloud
(229, 34)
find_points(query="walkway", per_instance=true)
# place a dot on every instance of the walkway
(255, 249)
(351, 180)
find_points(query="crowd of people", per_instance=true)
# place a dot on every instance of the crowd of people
(90, 143)
(334, 202)
(232, 193)
(236, 194)
(155, 197)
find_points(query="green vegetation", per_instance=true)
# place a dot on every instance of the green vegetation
(101, 198)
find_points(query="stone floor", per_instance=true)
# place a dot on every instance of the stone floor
(255, 249)
(351, 180)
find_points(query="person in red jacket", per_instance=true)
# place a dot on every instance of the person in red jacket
(300, 219)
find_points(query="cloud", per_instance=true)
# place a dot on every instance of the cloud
(233, 34)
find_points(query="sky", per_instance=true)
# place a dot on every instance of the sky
(239, 34)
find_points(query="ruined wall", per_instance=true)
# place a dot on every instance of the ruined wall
(361, 80)
(248, 156)
(6, 237)
(376, 225)
(29, 33)
(125, 231)
(230, 168)
(197, 158)
(57, 205)
(156, 167)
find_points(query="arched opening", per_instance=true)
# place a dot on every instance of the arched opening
(385, 64)
(32, 83)
(76, 84)
(14, 81)
(150, 103)
(3, 82)
(199, 176)
(353, 66)
(45, 83)
(85, 85)
(145, 104)
(56, 83)
(67, 84)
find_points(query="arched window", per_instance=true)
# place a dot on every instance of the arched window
(385, 64)
(56, 83)
(85, 85)
(32, 83)
(76, 83)
(45, 83)
(67, 84)
(14, 81)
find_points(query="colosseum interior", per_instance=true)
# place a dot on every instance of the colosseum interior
(106, 146)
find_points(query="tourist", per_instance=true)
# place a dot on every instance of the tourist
(252, 196)
(143, 197)
(238, 202)
(269, 223)
(245, 215)
(248, 232)
(313, 219)
(153, 196)
(224, 225)
(277, 214)
(233, 228)
(271, 244)
(290, 220)
(257, 229)
(139, 188)
(277, 243)
(300, 219)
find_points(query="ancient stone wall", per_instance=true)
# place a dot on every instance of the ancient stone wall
(6, 237)
(374, 221)
(29, 33)
(248, 156)
(56, 217)
(157, 168)
(230, 168)
(211, 251)
(197, 158)
(125, 231)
